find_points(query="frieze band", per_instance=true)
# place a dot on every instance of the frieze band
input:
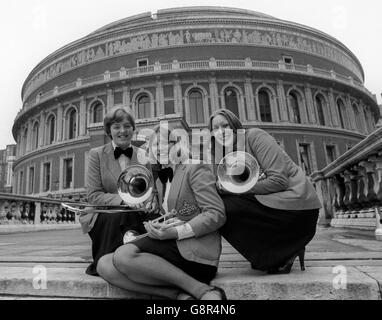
(189, 37)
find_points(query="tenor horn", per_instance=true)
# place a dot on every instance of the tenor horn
(238, 172)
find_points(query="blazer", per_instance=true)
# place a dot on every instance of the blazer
(101, 180)
(193, 194)
(286, 186)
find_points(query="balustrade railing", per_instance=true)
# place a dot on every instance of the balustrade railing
(351, 187)
(18, 210)
(212, 63)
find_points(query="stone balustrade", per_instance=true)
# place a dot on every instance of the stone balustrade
(186, 66)
(17, 209)
(351, 187)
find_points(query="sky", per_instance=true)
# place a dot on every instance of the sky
(30, 30)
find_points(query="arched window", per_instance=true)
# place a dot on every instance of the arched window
(143, 107)
(341, 111)
(231, 100)
(35, 135)
(320, 110)
(196, 107)
(97, 112)
(72, 123)
(265, 106)
(294, 107)
(357, 117)
(51, 129)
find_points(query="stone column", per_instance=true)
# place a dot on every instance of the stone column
(109, 99)
(282, 102)
(41, 133)
(310, 105)
(159, 97)
(333, 109)
(29, 137)
(60, 121)
(250, 99)
(362, 116)
(178, 103)
(82, 129)
(126, 97)
(214, 95)
(353, 124)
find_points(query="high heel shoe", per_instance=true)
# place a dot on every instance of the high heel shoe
(285, 269)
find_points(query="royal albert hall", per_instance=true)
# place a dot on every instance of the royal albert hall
(301, 85)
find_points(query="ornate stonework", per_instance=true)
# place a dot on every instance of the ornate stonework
(187, 37)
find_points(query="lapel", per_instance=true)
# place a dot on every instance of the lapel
(112, 164)
(176, 184)
(160, 188)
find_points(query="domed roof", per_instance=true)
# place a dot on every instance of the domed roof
(189, 12)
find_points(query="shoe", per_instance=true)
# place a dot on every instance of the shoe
(285, 269)
(219, 290)
(129, 236)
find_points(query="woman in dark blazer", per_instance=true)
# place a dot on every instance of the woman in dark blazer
(105, 164)
(178, 262)
(272, 223)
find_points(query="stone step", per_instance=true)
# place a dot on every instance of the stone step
(363, 283)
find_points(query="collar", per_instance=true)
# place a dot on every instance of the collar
(114, 145)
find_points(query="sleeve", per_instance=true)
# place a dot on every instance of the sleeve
(184, 231)
(95, 191)
(272, 159)
(212, 216)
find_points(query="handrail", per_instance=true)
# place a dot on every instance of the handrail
(185, 66)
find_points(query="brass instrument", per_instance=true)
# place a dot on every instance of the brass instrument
(238, 172)
(135, 187)
(166, 221)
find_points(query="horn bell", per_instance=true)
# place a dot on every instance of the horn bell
(135, 184)
(238, 172)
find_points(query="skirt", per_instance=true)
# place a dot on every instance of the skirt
(168, 250)
(108, 231)
(266, 237)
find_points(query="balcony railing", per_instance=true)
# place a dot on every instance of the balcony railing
(18, 209)
(185, 66)
(351, 187)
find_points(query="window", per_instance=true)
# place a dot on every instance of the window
(196, 107)
(341, 110)
(294, 108)
(142, 63)
(305, 158)
(230, 99)
(31, 180)
(357, 117)
(35, 135)
(265, 106)
(51, 129)
(144, 107)
(72, 123)
(68, 173)
(288, 59)
(97, 112)
(320, 110)
(330, 153)
(46, 177)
